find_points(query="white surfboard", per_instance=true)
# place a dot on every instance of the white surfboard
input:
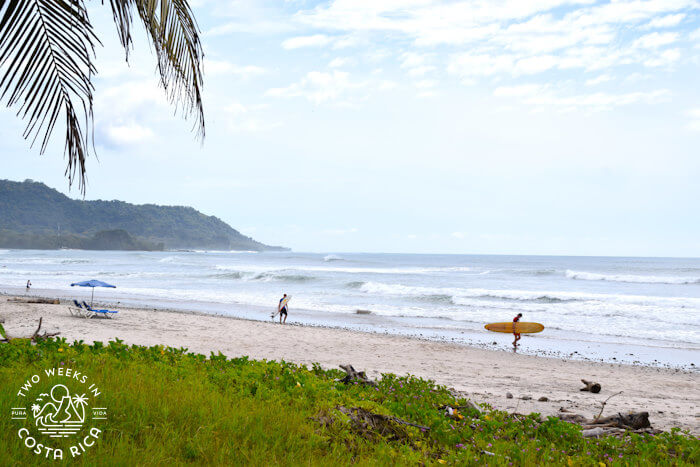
(282, 304)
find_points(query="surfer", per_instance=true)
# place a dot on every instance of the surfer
(282, 309)
(29, 285)
(516, 334)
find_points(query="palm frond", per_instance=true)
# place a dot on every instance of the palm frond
(47, 47)
(174, 35)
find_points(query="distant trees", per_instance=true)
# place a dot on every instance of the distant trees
(33, 215)
(47, 48)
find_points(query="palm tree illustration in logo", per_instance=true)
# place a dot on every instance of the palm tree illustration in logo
(61, 416)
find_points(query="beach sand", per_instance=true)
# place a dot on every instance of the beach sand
(672, 397)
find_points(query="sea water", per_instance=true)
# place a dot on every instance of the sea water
(620, 309)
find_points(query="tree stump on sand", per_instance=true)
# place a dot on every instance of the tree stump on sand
(354, 376)
(591, 386)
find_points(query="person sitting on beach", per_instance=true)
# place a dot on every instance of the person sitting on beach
(516, 334)
(282, 310)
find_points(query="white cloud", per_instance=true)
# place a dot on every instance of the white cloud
(339, 62)
(426, 84)
(317, 40)
(319, 87)
(127, 134)
(546, 96)
(656, 40)
(514, 37)
(667, 21)
(220, 67)
(694, 123)
(598, 80)
(248, 119)
(664, 59)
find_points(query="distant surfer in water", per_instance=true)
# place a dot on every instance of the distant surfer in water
(282, 309)
(29, 285)
(516, 334)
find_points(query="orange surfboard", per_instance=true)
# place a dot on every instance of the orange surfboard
(521, 328)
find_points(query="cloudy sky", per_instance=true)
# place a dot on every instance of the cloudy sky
(493, 126)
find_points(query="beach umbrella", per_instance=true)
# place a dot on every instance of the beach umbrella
(93, 283)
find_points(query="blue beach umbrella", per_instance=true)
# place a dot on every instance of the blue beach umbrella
(93, 283)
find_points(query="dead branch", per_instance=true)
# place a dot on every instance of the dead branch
(359, 414)
(591, 386)
(605, 402)
(35, 337)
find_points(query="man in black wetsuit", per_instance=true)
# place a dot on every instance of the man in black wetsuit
(516, 334)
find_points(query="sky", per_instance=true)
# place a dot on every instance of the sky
(564, 127)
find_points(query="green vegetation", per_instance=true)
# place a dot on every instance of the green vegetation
(33, 215)
(167, 406)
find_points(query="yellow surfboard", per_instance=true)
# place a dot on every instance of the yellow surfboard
(520, 328)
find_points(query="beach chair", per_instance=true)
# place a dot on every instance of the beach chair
(77, 310)
(101, 313)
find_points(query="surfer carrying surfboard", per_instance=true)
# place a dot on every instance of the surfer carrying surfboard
(515, 333)
(282, 308)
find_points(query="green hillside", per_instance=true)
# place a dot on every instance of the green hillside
(32, 215)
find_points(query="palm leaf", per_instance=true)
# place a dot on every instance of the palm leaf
(174, 35)
(47, 47)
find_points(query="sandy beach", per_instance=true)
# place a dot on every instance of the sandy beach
(672, 397)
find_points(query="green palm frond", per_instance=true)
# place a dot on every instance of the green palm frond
(174, 35)
(47, 47)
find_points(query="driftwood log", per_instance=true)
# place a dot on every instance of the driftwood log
(354, 376)
(46, 301)
(616, 425)
(375, 420)
(591, 386)
(4, 337)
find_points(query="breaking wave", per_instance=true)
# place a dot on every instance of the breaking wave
(329, 258)
(592, 276)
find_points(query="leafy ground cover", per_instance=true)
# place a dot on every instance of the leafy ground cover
(168, 406)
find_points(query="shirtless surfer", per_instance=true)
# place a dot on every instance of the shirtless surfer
(516, 334)
(282, 310)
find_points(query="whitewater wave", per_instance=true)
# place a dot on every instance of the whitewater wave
(381, 288)
(264, 276)
(348, 270)
(592, 276)
(329, 258)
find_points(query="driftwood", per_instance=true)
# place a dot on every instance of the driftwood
(4, 337)
(375, 421)
(602, 407)
(591, 386)
(354, 376)
(631, 420)
(615, 425)
(46, 301)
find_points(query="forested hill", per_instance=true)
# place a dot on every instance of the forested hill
(32, 215)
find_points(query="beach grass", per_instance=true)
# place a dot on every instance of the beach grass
(169, 406)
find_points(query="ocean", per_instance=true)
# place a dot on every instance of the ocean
(633, 310)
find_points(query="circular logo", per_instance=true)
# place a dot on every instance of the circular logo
(59, 410)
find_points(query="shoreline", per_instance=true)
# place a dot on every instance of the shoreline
(551, 344)
(484, 375)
